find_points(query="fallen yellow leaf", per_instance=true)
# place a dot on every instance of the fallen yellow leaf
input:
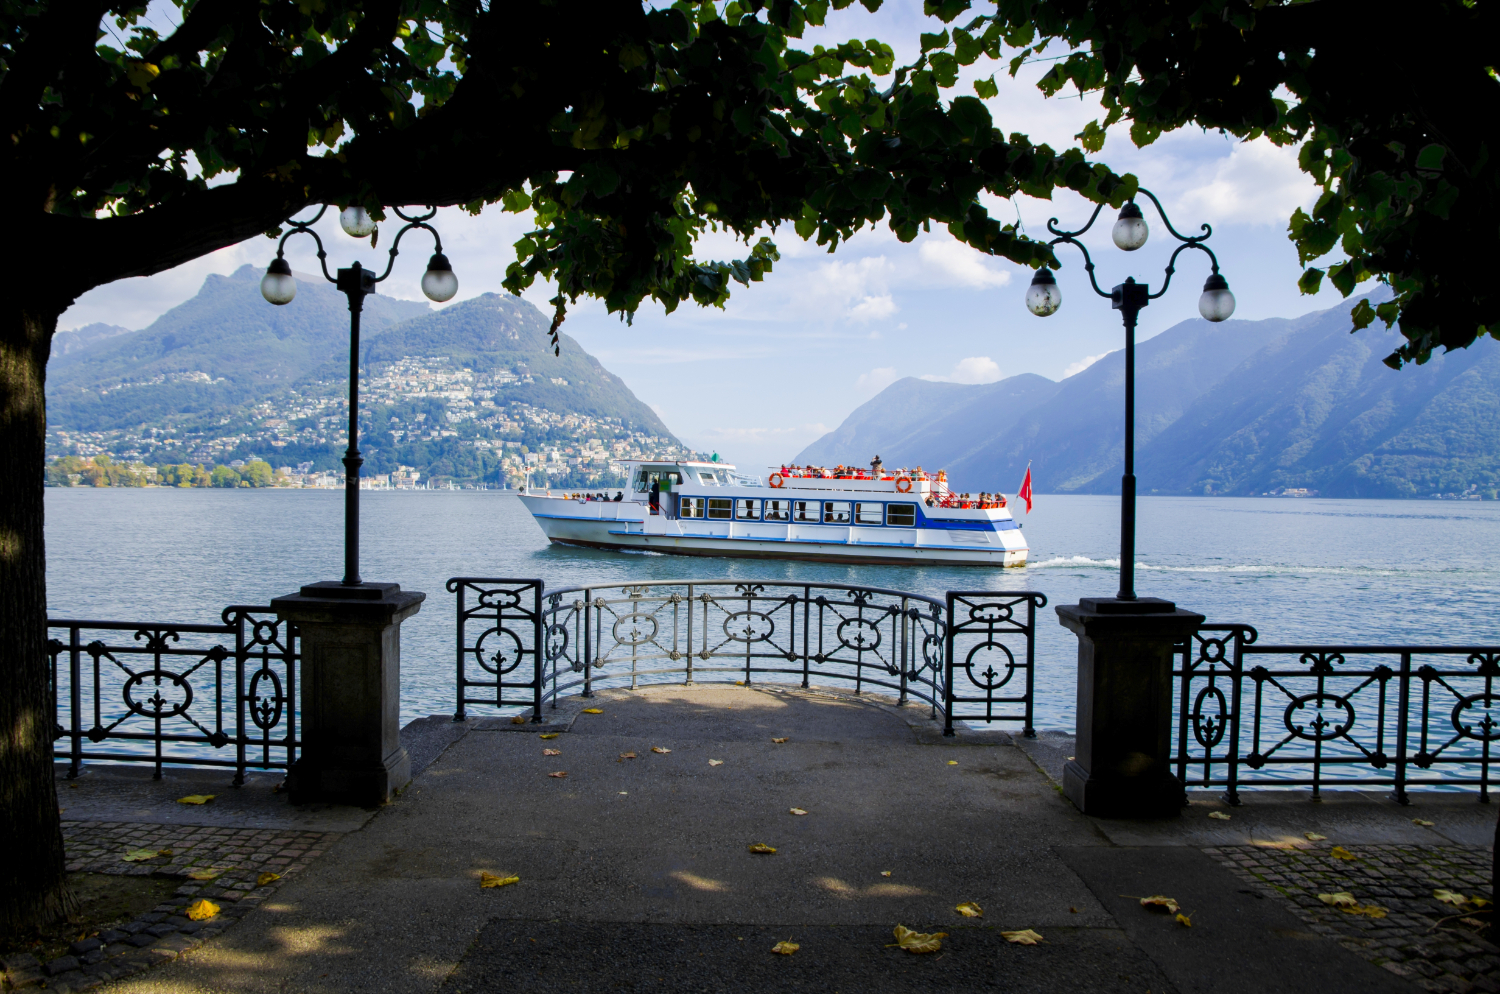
(519, 719)
(1313, 837)
(1339, 852)
(1218, 816)
(785, 947)
(761, 847)
(715, 762)
(1343, 899)
(885, 873)
(488, 879)
(593, 710)
(164, 852)
(1184, 920)
(1423, 822)
(202, 910)
(1480, 902)
(1450, 897)
(798, 811)
(1368, 910)
(918, 942)
(1025, 937)
(551, 752)
(970, 910)
(559, 774)
(780, 740)
(660, 750)
(952, 762)
(550, 735)
(196, 798)
(1159, 901)
(205, 874)
(141, 855)
(267, 878)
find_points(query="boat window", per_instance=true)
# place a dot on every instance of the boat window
(645, 477)
(807, 510)
(869, 514)
(720, 507)
(777, 510)
(691, 507)
(723, 475)
(748, 510)
(901, 515)
(707, 477)
(836, 512)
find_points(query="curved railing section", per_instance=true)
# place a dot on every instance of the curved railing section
(519, 644)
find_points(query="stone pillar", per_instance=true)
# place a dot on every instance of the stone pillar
(1120, 767)
(351, 691)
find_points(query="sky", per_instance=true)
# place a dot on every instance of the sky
(789, 358)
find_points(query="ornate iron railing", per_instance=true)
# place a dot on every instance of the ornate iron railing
(1401, 716)
(149, 692)
(580, 639)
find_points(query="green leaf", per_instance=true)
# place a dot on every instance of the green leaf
(1430, 159)
(931, 41)
(1311, 281)
(987, 89)
(1092, 137)
(1143, 133)
(515, 201)
(1362, 315)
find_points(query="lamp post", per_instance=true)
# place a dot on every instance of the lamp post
(350, 630)
(1043, 298)
(1122, 755)
(279, 287)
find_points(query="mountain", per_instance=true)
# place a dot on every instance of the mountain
(1242, 407)
(81, 338)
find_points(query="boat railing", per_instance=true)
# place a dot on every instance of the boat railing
(969, 657)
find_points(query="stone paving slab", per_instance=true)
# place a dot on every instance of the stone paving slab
(1421, 938)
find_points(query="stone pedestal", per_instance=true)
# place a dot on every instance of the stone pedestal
(1120, 767)
(351, 691)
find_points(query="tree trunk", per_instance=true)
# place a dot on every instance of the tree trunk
(32, 883)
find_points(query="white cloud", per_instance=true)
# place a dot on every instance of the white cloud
(873, 308)
(856, 291)
(973, 370)
(952, 263)
(876, 380)
(1257, 183)
(1082, 364)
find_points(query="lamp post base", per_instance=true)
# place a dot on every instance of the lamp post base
(351, 691)
(1122, 762)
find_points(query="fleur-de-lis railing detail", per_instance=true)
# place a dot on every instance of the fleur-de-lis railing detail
(177, 693)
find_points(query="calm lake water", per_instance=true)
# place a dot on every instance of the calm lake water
(1299, 570)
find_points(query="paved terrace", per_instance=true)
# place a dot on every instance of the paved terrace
(635, 873)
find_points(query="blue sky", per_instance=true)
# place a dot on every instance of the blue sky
(791, 357)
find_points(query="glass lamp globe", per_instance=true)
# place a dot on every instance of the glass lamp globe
(277, 285)
(1130, 231)
(1217, 303)
(1043, 296)
(439, 283)
(356, 221)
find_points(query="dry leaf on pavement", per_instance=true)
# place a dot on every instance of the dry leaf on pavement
(1218, 816)
(488, 879)
(1025, 937)
(551, 752)
(761, 847)
(141, 855)
(780, 740)
(267, 878)
(1450, 897)
(519, 719)
(1162, 902)
(559, 774)
(970, 910)
(885, 873)
(952, 762)
(205, 874)
(660, 750)
(1184, 920)
(627, 755)
(1313, 837)
(1423, 822)
(918, 942)
(1339, 852)
(785, 947)
(202, 910)
(798, 811)
(196, 798)
(593, 710)
(550, 735)
(715, 762)
(1343, 899)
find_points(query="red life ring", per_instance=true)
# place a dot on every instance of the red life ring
(903, 484)
(776, 480)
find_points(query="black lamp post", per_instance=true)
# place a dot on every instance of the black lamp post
(278, 286)
(1217, 304)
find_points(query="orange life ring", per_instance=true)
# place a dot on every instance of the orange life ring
(776, 481)
(903, 484)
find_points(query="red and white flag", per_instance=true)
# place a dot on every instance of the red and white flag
(1025, 492)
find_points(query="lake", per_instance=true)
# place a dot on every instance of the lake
(1303, 570)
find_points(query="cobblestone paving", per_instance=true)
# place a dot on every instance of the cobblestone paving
(166, 933)
(1421, 938)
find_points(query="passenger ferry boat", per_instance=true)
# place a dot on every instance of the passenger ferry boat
(846, 514)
